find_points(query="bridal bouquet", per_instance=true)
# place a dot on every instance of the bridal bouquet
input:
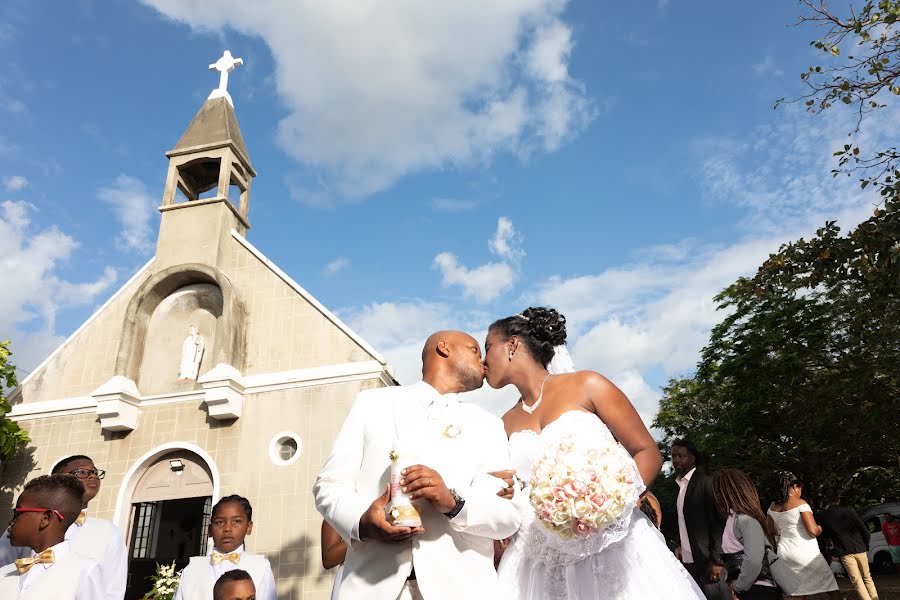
(584, 487)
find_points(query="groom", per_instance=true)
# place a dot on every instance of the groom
(456, 446)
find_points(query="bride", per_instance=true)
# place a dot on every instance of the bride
(623, 561)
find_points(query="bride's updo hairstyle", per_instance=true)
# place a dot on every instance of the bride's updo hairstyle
(540, 328)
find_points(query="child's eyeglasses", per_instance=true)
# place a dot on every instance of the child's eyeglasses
(82, 473)
(19, 511)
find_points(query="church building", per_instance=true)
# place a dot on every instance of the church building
(210, 372)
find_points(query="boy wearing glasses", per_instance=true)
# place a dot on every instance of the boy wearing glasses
(45, 510)
(95, 538)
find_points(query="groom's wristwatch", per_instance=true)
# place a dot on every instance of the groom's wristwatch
(460, 502)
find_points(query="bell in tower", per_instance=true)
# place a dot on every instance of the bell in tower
(210, 163)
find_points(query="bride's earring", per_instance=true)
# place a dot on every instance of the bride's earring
(510, 355)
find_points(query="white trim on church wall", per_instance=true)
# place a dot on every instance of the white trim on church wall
(130, 481)
(311, 299)
(97, 312)
(253, 384)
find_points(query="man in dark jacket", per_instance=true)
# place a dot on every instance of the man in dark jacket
(850, 538)
(700, 524)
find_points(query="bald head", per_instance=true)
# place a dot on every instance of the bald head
(451, 362)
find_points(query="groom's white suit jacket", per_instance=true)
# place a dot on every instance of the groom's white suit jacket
(462, 442)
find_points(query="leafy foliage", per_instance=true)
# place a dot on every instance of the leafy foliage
(804, 372)
(12, 437)
(865, 79)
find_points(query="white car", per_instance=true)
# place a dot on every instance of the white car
(879, 555)
(874, 518)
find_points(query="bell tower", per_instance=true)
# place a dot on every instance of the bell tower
(207, 193)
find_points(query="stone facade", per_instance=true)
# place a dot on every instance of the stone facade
(274, 361)
(286, 523)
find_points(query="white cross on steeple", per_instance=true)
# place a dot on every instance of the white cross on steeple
(224, 66)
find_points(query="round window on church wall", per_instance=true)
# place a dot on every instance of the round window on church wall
(284, 449)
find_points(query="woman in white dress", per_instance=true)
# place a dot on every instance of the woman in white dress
(792, 519)
(628, 561)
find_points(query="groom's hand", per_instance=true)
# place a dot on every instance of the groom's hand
(420, 481)
(373, 524)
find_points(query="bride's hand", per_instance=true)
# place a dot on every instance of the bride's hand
(507, 477)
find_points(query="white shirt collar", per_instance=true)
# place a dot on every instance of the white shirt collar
(59, 550)
(687, 476)
(429, 395)
(239, 550)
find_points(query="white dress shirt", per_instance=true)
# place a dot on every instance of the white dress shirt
(686, 556)
(264, 581)
(102, 541)
(88, 584)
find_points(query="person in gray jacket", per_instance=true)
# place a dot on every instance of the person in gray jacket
(745, 538)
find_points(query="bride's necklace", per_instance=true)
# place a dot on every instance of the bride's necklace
(533, 407)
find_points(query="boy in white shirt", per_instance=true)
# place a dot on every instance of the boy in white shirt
(94, 538)
(45, 510)
(230, 523)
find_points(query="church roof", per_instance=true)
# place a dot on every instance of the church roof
(214, 125)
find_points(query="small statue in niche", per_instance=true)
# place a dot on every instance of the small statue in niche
(191, 355)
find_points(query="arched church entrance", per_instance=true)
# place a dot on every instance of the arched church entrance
(171, 496)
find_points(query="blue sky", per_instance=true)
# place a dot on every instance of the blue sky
(426, 165)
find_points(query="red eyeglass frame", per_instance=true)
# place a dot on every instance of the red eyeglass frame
(53, 510)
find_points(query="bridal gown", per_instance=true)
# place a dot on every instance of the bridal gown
(630, 562)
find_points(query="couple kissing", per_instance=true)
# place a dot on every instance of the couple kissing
(581, 454)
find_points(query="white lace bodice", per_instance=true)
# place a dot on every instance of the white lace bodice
(525, 446)
(625, 561)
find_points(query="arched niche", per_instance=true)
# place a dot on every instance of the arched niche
(197, 306)
(227, 346)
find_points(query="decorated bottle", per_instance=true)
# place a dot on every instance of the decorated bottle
(401, 510)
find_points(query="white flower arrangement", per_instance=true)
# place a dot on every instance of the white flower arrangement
(165, 582)
(580, 488)
(451, 431)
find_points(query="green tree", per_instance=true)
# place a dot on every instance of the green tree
(12, 437)
(861, 51)
(803, 374)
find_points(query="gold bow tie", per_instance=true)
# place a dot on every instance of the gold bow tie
(217, 557)
(82, 517)
(23, 564)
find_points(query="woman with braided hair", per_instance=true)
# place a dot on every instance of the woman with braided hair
(745, 539)
(583, 411)
(793, 520)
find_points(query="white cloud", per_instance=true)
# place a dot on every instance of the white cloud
(488, 281)
(643, 396)
(14, 183)
(379, 90)
(336, 266)
(654, 313)
(482, 284)
(31, 259)
(507, 242)
(134, 208)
